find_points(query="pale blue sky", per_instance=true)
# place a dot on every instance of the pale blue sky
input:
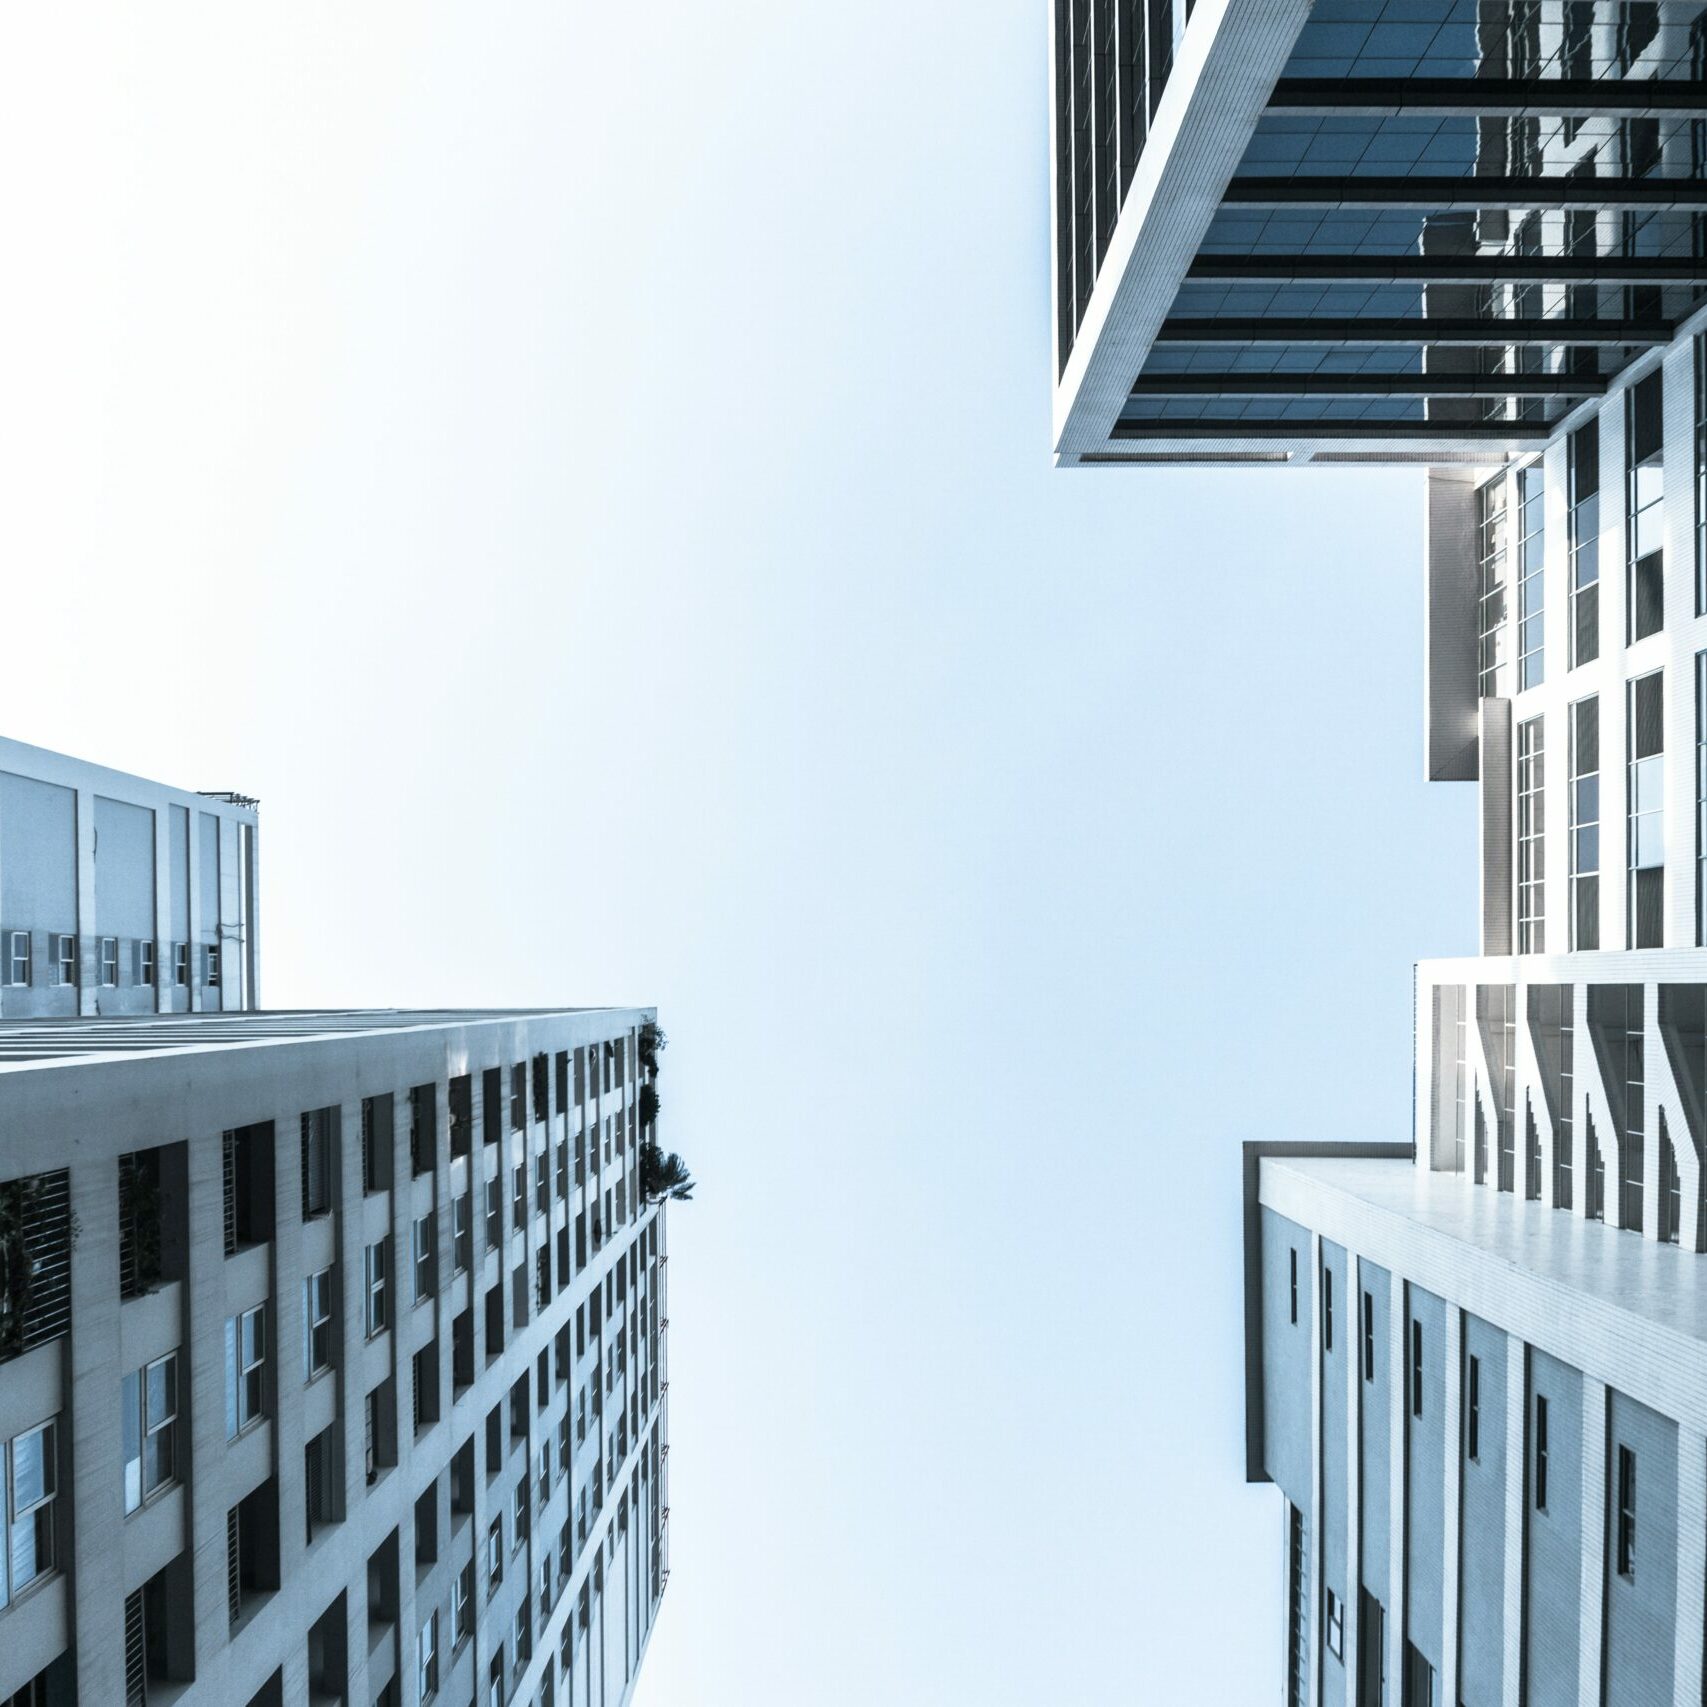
(586, 470)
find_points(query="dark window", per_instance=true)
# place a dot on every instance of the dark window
(1626, 1512)
(1645, 507)
(1368, 1337)
(1293, 1254)
(1327, 1309)
(1583, 514)
(1585, 823)
(1541, 1450)
(1473, 1418)
(1416, 1367)
(1646, 804)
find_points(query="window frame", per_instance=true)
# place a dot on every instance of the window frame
(40, 1512)
(136, 1404)
(109, 962)
(376, 1272)
(423, 1252)
(427, 1656)
(65, 955)
(315, 1323)
(242, 1376)
(1626, 1521)
(14, 960)
(145, 970)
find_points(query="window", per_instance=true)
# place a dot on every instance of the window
(145, 963)
(1583, 518)
(461, 1594)
(495, 1555)
(461, 1234)
(181, 963)
(1327, 1308)
(518, 1096)
(1490, 553)
(317, 1325)
(1646, 839)
(1531, 539)
(316, 1163)
(427, 1657)
(519, 1520)
(1473, 1412)
(494, 1214)
(544, 1474)
(1416, 1368)
(375, 1270)
(1645, 507)
(1701, 475)
(148, 1400)
(67, 955)
(1368, 1337)
(1626, 1512)
(1293, 1254)
(1585, 823)
(17, 957)
(519, 1194)
(1541, 1452)
(1531, 843)
(109, 961)
(245, 1370)
(424, 1240)
(1335, 1625)
(32, 1465)
(211, 962)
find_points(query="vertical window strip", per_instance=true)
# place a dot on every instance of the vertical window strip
(1701, 465)
(1491, 594)
(1645, 742)
(1531, 839)
(1583, 523)
(1531, 552)
(1644, 411)
(1585, 823)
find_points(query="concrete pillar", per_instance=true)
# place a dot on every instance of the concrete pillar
(1591, 1625)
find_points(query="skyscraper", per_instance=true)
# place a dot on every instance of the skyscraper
(1467, 235)
(332, 1344)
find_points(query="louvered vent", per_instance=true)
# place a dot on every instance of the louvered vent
(135, 1653)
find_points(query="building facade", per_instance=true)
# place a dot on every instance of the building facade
(332, 1344)
(1469, 236)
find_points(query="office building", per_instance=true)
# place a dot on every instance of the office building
(332, 1344)
(1469, 236)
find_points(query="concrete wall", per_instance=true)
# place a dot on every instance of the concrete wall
(1554, 1537)
(1641, 1609)
(1287, 1354)
(1374, 1438)
(1425, 1479)
(1335, 1438)
(1481, 1582)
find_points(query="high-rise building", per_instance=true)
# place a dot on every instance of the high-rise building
(1472, 236)
(332, 1344)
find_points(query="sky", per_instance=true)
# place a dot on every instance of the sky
(586, 470)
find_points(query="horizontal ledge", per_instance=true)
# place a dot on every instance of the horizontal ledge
(1494, 97)
(1462, 194)
(1421, 330)
(1446, 269)
(1518, 435)
(1368, 385)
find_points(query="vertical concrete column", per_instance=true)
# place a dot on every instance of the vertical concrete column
(97, 1480)
(1452, 1528)
(194, 917)
(88, 943)
(1691, 1564)
(1516, 1483)
(1498, 881)
(1398, 1521)
(162, 906)
(1591, 1624)
(289, 1363)
(206, 1386)
(252, 924)
(1450, 689)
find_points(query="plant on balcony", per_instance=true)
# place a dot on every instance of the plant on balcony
(652, 1039)
(663, 1175)
(139, 1222)
(648, 1104)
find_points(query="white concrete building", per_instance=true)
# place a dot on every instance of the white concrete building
(1469, 235)
(332, 1345)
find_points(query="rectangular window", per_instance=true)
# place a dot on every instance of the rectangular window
(1531, 840)
(109, 961)
(32, 1484)
(1644, 410)
(67, 946)
(1626, 1512)
(316, 1163)
(1293, 1254)
(1491, 595)
(461, 1594)
(317, 1325)
(1327, 1308)
(1541, 1453)
(1646, 838)
(245, 1370)
(1368, 1337)
(495, 1555)
(212, 963)
(17, 957)
(461, 1232)
(181, 964)
(519, 1194)
(149, 1403)
(427, 1658)
(1583, 481)
(1335, 1625)
(424, 1230)
(1531, 541)
(1416, 1368)
(1585, 823)
(1473, 1412)
(145, 963)
(376, 1268)
(519, 1520)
